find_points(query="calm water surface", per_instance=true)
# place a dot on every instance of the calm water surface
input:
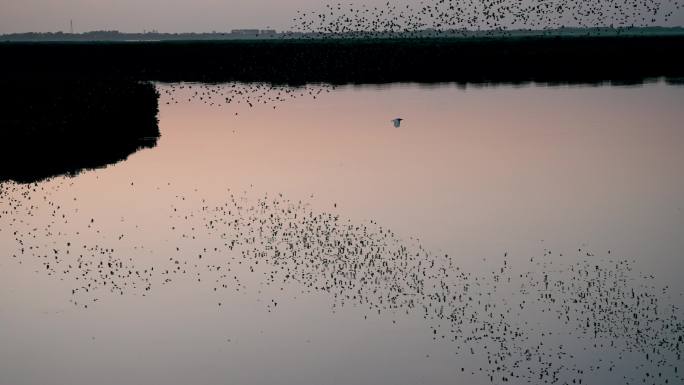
(238, 250)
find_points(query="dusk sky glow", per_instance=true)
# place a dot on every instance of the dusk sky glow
(173, 15)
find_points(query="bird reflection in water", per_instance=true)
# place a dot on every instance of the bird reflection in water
(597, 306)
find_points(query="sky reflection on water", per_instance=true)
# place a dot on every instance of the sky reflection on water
(471, 175)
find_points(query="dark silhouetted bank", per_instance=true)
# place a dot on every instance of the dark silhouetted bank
(55, 127)
(513, 60)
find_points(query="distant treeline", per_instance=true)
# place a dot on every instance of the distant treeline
(108, 36)
(551, 59)
(56, 126)
(99, 36)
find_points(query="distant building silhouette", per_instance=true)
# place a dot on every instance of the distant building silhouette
(244, 32)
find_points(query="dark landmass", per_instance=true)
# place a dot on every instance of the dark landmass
(71, 106)
(54, 126)
(512, 60)
(270, 34)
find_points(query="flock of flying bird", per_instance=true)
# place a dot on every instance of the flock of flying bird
(438, 18)
(535, 322)
(251, 95)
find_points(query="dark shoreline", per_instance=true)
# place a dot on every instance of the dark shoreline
(62, 127)
(513, 60)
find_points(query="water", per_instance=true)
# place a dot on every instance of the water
(564, 184)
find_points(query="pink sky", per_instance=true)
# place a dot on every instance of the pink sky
(163, 15)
